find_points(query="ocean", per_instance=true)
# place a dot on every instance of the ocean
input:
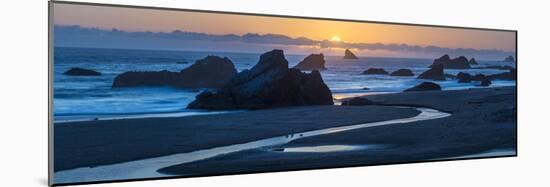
(91, 97)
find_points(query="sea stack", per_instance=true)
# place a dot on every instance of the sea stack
(349, 55)
(270, 83)
(434, 73)
(81, 72)
(375, 71)
(402, 73)
(509, 59)
(312, 62)
(473, 61)
(460, 62)
(209, 72)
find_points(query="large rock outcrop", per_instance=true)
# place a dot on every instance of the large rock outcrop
(81, 72)
(312, 62)
(270, 83)
(424, 86)
(375, 71)
(460, 62)
(434, 73)
(209, 72)
(402, 73)
(349, 55)
(509, 59)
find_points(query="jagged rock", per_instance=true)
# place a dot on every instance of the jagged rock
(270, 83)
(375, 71)
(349, 55)
(448, 63)
(357, 101)
(473, 61)
(210, 72)
(509, 59)
(312, 62)
(464, 77)
(402, 72)
(425, 86)
(81, 72)
(434, 73)
(486, 81)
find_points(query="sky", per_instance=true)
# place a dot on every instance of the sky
(338, 34)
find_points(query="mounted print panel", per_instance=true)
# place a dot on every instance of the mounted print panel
(152, 93)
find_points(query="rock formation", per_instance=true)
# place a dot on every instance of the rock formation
(434, 73)
(210, 72)
(349, 55)
(81, 72)
(448, 63)
(312, 62)
(270, 83)
(357, 101)
(375, 71)
(509, 59)
(425, 86)
(402, 73)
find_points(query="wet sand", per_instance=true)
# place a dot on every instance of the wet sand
(482, 120)
(94, 143)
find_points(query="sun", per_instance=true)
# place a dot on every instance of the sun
(335, 39)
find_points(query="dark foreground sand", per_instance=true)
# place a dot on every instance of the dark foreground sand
(93, 143)
(482, 120)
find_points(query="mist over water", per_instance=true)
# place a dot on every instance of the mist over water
(92, 96)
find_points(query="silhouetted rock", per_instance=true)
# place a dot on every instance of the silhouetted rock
(375, 71)
(270, 83)
(486, 81)
(448, 63)
(357, 101)
(349, 55)
(434, 73)
(464, 77)
(478, 77)
(402, 73)
(209, 72)
(509, 59)
(449, 76)
(312, 62)
(81, 72)
(425, 86)
(473, 61)
(510, 75)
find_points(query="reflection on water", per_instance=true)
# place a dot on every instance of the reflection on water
(147, 168)
(326, 148)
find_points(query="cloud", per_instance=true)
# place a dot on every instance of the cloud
(76, 36)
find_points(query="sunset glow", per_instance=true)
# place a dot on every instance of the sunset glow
(335, 39)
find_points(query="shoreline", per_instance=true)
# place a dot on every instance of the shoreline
(337, 98)
(97, 143)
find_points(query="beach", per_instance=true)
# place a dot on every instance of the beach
(481, 120)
